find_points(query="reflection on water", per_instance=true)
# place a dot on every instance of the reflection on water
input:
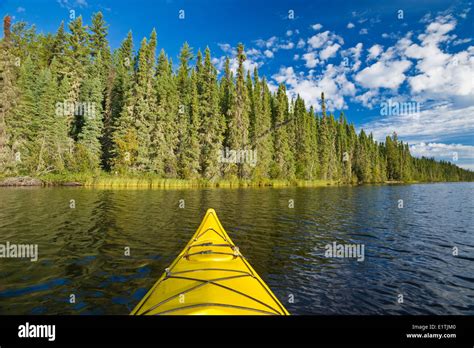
(408, 251)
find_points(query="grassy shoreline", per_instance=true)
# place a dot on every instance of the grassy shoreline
(150, 181)
(104, 180)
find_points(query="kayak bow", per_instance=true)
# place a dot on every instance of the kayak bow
(210, 277)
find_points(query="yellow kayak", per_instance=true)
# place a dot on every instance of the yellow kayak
(210, 277)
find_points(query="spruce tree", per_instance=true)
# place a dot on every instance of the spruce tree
(262, 129)
(184, 86)
(283, 157)
(238, 127)
(211, 121)
(8, 96)
(164, 134)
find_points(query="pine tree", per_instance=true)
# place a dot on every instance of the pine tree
(393, 157)
(190, 157)
(141, 108)
(164, 133)
(184, 86)
(238, 127)
(283, 157)
(8, 96)
(211, 121)
(51, 143)
(89, 146)
(262, 131)
(324, 142)
(124, 135)
(77, 57)
(24, 123)
(227, 104)
(313, 147)
(302, 140)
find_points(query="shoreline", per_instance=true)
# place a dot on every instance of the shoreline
(152, 182)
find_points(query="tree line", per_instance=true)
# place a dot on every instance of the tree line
(69, 104)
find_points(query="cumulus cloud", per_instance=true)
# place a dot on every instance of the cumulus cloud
(431, 125)
(350, 25)
(269, 43)
(225, 47)
(374, 51)
(383, 74)
(311, 59)
(327, 37)
(317, 26)
(440, 73)
(268, 53)
(333, 83)
(363, 31)
(286, 46)
(254, 60)
(329, 51)
(461, 41)
(352, 56)
(459, 154)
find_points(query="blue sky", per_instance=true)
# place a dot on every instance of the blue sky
(404, 66)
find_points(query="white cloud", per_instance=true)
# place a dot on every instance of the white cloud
(311, 59)
(354, 53)
(296, 57)
(437, 124)
(383, 74)
(301, 43)
(461, 41)
(225, 47)
(442, 150)
(286, 46)
(374, 51)
(332, 82)
(268, 53)
(20, 9)
(289, 32)
(253, 60)
(350, 25)
(269, 43)
(363, 31)
(368, 99)
(317, 26)
(253, 52)
(329, 51)
(439, 73)
(459, 154)
(327, 37)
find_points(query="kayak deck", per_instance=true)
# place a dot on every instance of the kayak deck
(210, 277)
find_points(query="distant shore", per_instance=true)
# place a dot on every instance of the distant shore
(150, 181)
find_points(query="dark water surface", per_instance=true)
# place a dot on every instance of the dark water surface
(408, 251)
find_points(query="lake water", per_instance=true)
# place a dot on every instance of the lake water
(408, 252)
